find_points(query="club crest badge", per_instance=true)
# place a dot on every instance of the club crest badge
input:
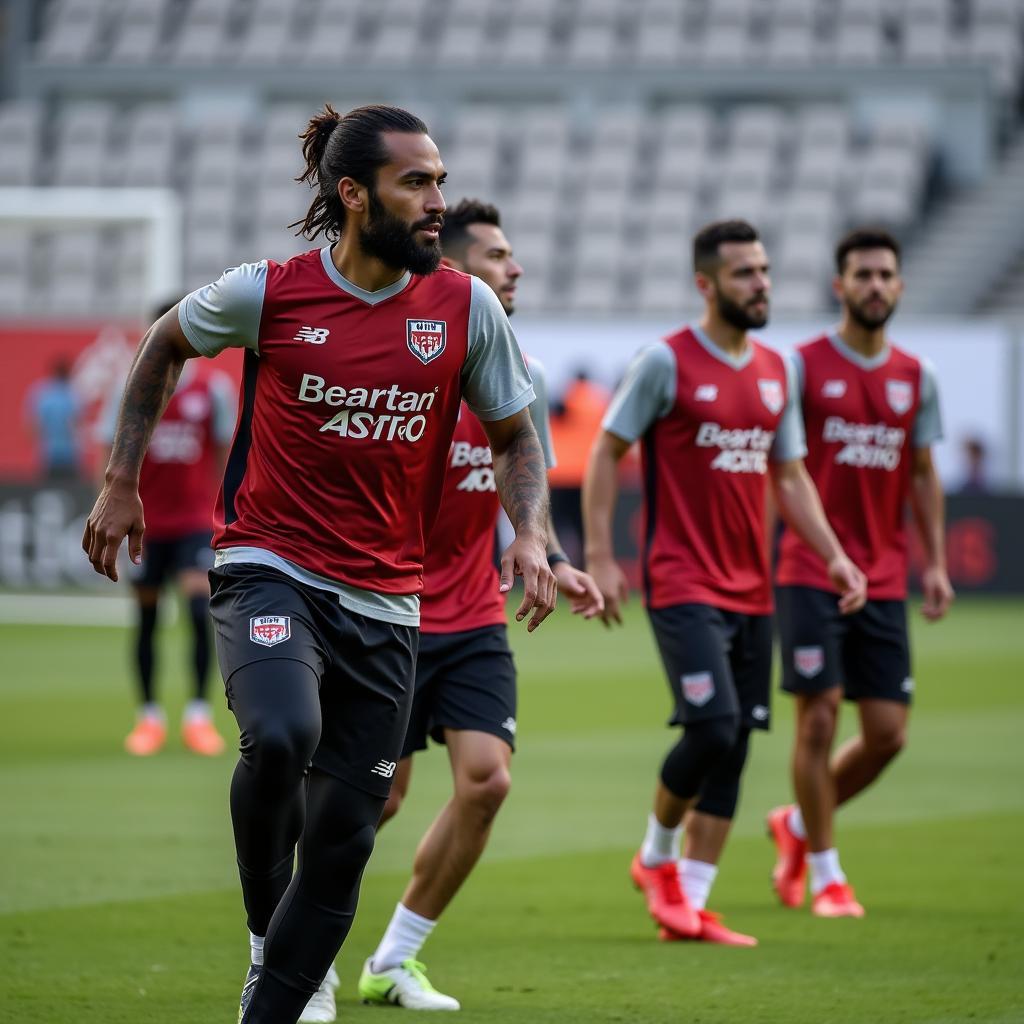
(771, 395)
(900, 395)
(808, 661)
(426, 338)
(268, 630)
(698, 688)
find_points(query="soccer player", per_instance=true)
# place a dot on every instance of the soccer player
(357, 358)
(871, 413)
(465, 677)
(178, 486)
(717, 417)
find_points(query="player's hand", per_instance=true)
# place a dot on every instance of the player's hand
(938, 593)
(117, 514)
(851, 582)
(581, 590)
(527, 556)
(611, 582)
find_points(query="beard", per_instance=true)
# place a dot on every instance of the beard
(389, 239)
(739, 316)
(870, 321)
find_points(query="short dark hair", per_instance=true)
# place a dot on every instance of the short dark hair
(865, 238)
(337, 146)
(458, 219)
(707, 241)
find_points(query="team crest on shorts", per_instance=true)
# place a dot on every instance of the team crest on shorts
(426, 338)
(899, 394)
(698, 688)
(771, 394)
(268, 630)
(808, 661)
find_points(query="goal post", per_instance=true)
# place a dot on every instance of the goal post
(156, 211)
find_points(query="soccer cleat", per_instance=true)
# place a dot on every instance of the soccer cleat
(666, 901)
(789, 876)
(711, 930)
(321, 1008)
(836, 900)
(147, 737)
(201, 737)
(406, 985)
(254, 975)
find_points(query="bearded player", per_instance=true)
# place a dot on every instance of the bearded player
(717, 417)
(871, 413)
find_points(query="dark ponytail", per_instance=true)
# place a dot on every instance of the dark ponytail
(337, 146)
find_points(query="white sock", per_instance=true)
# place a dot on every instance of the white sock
(197, 710)
(152, 710)
(256, 949)
(825, 869)
(661, 844)
(403, 939)
(795, 821)
(697, 878)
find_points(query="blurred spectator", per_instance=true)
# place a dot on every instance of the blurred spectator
(975, 472)
(53, 411)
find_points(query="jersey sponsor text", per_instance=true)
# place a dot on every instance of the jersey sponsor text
(865, 445)
(741, 451)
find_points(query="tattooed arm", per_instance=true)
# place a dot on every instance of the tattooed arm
(151, 381)
(521, 478)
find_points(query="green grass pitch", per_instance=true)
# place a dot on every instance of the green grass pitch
(119, 902)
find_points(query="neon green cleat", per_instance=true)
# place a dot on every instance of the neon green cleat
(406, 985)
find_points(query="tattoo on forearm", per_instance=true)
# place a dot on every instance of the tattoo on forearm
(150, 384)
(522, 482)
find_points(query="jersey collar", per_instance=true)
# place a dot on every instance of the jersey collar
(370, 298)
(864, 362)
(722, 356)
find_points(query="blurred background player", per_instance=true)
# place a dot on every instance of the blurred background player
(178, 485)
(54, 411)
(465, 677)
(717, 415)
(871, 413)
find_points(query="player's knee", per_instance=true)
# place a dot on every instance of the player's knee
(885, 744)
(717, 737)
(818, 726)
(278, 750)
(484, 791)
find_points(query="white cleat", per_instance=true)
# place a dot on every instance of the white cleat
(321, 1008)
(406, 986)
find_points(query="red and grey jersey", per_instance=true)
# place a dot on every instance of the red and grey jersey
(709, 425)
(179, 477)
(349, 402)
(863, 419)
(460, 582)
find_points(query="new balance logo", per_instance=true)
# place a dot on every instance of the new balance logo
(509, 725)
(314, 335)
(385, 769)
(706, 393)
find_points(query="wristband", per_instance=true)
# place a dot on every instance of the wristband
(557, 556)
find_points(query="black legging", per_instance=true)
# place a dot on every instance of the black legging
(708, 760)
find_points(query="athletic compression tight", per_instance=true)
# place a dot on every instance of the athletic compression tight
(721, 793)
(199, 615)
(144, 651)
(315, 914)
(693, 760)
(277, 706)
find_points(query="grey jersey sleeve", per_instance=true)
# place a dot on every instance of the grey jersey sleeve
(790, 440)
(224, 410)
(928, 421)
(540, 410)
(495, 381)
(647, 392)
(226, 313)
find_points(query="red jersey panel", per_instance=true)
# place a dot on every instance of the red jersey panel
(180, 474)
(859, 425)
(705, 466)
(460, 583)
(348, 413)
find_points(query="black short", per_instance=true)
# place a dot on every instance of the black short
(866, 653)
(718, 663)
(463, 681)
(365, 666)
(164, 559)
